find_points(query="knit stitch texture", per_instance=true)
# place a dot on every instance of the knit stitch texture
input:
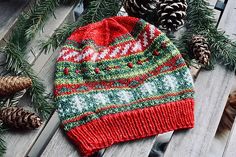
(118, 80)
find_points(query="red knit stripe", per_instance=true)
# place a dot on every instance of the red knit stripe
(130, 125)
(125, 82)
(118, 106)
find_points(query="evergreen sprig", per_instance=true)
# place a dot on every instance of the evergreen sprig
(26, 27)
(38, 16)
(2, 142)
(200, 21)
(95, 10)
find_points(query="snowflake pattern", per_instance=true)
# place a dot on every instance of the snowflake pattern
(125, 96)
(170, 82)
(148, 88)
(101, 99)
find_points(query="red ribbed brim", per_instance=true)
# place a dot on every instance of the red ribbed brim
(130, 125)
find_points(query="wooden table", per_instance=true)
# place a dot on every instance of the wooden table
(212, 89)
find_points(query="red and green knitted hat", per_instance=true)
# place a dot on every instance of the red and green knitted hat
(118, 80)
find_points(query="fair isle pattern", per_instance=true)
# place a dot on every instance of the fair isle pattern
(90, 53)
(121, 84)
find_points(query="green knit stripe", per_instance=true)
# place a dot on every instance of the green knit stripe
(155, 45)
(117, 87)
(144, 104)
(72, 105)
(123, 72)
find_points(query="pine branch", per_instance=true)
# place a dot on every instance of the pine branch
(39, 15)
(96, 10)
(200, 20)
(2, 142)
(16, 63)
(27, 25)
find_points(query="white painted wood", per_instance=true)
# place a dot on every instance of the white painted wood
(146, 144)
(47, 133)
(212, 89)
(34, 47)
(130, 149)
(228, 20)
(209, 108)
(230, 150)
(60, 147)
(9, 11)
(22, 142)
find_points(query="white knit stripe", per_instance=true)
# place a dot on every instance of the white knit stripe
(94, 57)
(137, 46)
(145, 39)
(69, 55)
(126, 49)
(80, 104)
(100, 98)
(82, 56)
(125, 96)
(103, 54)
(63, 52)
(115, 52)
(148, 87)
(152, 31)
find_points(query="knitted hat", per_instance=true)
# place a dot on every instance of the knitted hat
(118, 80)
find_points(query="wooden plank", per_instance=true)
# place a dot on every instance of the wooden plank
(22, 142)
(130, 149)
(9, 11)
(210, 101)
(197, 141)
(34, 47)
(146, 144)
(60, 147)
(41, 143)
(230, 149)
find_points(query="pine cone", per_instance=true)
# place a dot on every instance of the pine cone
(18, 118)
(167, 14)
(200, 49)
(141, 8)
(171, 14)
(12, 84)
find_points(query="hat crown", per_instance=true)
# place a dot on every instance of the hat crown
(105, 31)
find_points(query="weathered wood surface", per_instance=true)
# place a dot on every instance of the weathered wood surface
(136, 148)
(230, 150)
(212, 89)
(9, 12)
(22, 142)
(118, 150)
(58, 145)
(130, 149)
(213, 95)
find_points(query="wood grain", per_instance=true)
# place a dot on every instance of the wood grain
(60, 147)
(210, 102)
(129, 149)
(230, 150)
(23, 141)
(9, 12)
(146, 144)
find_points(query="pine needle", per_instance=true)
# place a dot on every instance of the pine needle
(200, 20)
(96, 10)
(2, 142)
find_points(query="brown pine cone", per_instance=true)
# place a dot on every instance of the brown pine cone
(18, 118)
(12, 84)
(200, 49)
